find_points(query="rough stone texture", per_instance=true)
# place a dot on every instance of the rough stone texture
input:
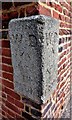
(34, 48)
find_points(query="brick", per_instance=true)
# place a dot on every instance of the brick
(4, 34)
(61, 95)
(65, 25)
(47, 108)
(60, 70)
(58, 7)
(65, 12)
(13, 14)
(9, 117)
(63, 66)
(55, 14)
(3, 113)
(5, 16)
(19, 104)
(69, 38)
(5, 44)
(7, 68)
(31, 10)
(70, 8)
(11, 99)
(62, 61)
(62, 24)
(6, 52)
(12, 93)
(70, 14)
(6, 6)
(65, 74)
(4, 108)
(64, 32)
(18, 117)
(32, 103)
(61, 17)
(56, 107)
(35, 112)
(52, 108)
(61, 101)
(5, 24)
(3, 88)
(4, 118)
(10, 112)
(8, 84)
(62, 84)
(6, 60)
(22, 12)
(7, 76)
(61, 32)
(3, 101)
(12, 107)
(64, 4)
(68, 68)
(4, 95)
(28, 116)
(68, 52)
(27, 108)
(69, 2)
(52, 4)
(65, 46)
(44, 11)
(68, 20)
(69, 26)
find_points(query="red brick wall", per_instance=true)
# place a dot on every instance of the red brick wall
(63, 12)
(12, 103)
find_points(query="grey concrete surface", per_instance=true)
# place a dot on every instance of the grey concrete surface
(34, 49)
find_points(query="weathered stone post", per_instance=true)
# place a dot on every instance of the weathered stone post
(34, 49)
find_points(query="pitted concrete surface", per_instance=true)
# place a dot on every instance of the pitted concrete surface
(34, 48)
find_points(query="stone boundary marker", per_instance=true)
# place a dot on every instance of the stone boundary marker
(34, 48)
